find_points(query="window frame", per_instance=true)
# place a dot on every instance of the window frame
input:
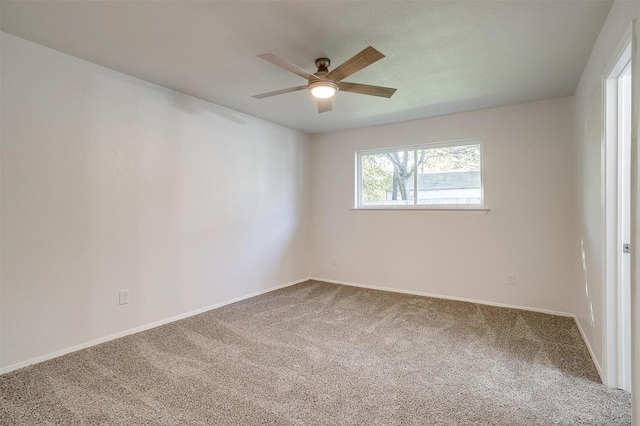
(358, 205)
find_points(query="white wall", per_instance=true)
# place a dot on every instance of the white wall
(529, 188)
(589, 141)
(110, 182)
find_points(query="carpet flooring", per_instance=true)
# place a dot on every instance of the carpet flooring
(323, 354)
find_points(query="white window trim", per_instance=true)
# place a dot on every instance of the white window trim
(358, 206)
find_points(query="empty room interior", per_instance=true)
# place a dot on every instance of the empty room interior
(319, 212)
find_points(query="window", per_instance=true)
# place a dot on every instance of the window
(432, 176)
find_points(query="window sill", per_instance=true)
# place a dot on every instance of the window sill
(425, 209)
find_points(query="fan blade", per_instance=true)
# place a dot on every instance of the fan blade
(279, 92)
(282, 63)
(324, 105)
(363, 59)
(365, 89)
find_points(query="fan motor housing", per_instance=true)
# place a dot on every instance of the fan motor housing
(322, 80)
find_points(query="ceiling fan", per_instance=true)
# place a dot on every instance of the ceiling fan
(324, 83)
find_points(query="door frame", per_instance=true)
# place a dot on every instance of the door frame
(617, 324)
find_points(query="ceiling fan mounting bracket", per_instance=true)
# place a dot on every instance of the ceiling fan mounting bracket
(323, 64)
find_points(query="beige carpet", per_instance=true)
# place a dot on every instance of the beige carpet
(323, 354)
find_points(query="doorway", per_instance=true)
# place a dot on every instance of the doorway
(618, 222)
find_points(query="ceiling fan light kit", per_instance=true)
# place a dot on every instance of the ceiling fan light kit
(324, 84)
(323, 89)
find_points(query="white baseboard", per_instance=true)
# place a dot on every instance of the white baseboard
(238, 299)
(140, 328)
(593, 357)
(440, 296)
(482, 302)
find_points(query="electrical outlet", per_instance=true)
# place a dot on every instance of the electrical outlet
(335, 260)
(124, 297)
(511, 279)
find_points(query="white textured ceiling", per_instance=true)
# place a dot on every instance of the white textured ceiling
(442, 56)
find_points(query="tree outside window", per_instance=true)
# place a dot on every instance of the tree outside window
(443, 175)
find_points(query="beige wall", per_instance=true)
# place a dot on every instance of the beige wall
(109, 183)
(588, 291)
(529, 230)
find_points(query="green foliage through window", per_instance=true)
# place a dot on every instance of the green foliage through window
(442, 173)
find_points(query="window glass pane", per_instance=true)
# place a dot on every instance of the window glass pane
(449, 175)
(387, 178)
